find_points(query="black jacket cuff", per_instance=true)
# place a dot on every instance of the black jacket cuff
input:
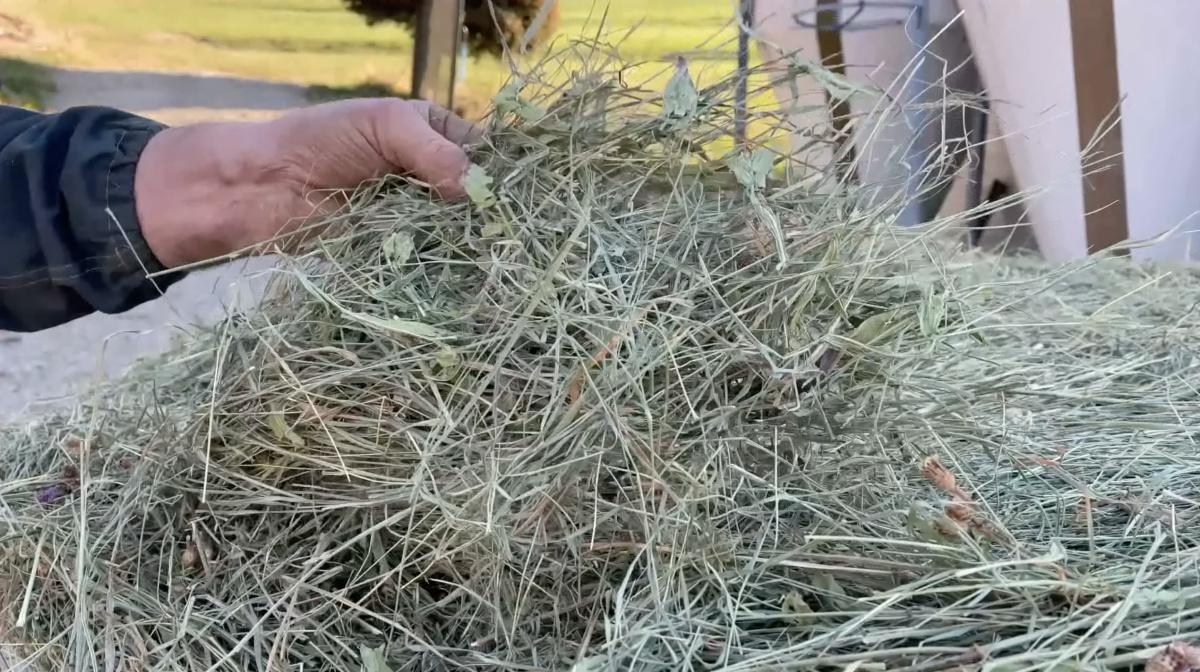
(72, 243)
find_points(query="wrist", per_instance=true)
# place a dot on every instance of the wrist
(197, 187)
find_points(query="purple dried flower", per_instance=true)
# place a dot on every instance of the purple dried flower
(51, 495)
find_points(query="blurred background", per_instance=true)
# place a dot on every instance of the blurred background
(158, 57)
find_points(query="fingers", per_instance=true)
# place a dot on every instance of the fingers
(427, 142)
(451, 126)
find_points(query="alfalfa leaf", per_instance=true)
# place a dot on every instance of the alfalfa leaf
(282, 432)
(751, 170)
(595, 663)
(446, 364)
(680, 99)
(493, 228)
(832, 592)
(509, 101)
(479, 187)
(398, 248)
(875, 328)
(373, 660)
(508, 97)
(795, 605)
(920, 524)
(933, 313)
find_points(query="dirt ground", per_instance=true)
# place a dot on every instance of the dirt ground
(39, 371)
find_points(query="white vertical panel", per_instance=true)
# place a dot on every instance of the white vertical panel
(1159, 61)
(1023, 48)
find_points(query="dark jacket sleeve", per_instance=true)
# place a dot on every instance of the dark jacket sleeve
(70, 242)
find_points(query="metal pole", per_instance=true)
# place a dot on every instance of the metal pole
(434, 50)
(421, 48)
(455, 48)
(916, 154)
(740, 112)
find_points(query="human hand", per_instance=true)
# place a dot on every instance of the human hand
(208, 190)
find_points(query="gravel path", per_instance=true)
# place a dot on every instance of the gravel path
(39, 371)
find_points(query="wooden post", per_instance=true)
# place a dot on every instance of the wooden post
(829, 45)
(1098, 104)
(434, 50)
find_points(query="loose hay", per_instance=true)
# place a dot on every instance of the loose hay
(619, 420)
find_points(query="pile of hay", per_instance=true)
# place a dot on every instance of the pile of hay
(630, 409)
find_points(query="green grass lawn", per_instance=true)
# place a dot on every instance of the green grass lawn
(317, 42)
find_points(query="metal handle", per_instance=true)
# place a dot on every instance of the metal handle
(808, 18)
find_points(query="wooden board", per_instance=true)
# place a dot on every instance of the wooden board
(1098, 101)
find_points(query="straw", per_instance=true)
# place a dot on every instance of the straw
(629, 408)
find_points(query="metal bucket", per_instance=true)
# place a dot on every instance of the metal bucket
(897, 139)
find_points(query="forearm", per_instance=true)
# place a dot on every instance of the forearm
(71, 240)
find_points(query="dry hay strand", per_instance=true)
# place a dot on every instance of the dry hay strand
(628, 410)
